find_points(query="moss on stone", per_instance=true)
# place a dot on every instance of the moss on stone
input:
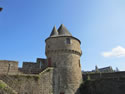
(5, 89)
(2, 85)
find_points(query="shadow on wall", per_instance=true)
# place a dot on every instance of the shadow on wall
(103, 86)
(78, 90)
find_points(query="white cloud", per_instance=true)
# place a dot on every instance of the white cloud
(116, 52)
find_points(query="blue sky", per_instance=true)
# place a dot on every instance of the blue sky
(99, 24)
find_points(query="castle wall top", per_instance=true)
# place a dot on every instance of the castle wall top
(8, 67)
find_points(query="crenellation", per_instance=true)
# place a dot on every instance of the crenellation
(8, 67)
(30, 65)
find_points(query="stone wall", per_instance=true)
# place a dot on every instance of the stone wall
(67, 73)
(29, 71)
(31, 84)
(34, 67)
(65, 58)
(23, 84)
(103, 75)
(59, 44)
(8, 67)
(5, 89)
(46, 81)
(42, 63)
(104, 86)
(30, 65)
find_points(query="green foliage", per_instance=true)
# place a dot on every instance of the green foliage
(2, 85)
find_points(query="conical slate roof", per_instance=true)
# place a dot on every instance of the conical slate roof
(54, 32)
(63, 31)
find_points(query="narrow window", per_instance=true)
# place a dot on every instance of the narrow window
(79, 64)
(8, 68)
(41, 64)
(49, 62)
(68, 41)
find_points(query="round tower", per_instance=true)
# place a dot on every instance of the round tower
(63, 53)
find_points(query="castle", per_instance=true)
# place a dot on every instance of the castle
(60, 73)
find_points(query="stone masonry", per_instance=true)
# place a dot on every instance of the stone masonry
(60, 73)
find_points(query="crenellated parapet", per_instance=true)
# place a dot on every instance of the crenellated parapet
(8, 67)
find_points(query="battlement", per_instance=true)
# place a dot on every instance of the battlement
(8, 67)
(94, 76)
(11, 67)
(34, 67)
(30, 65)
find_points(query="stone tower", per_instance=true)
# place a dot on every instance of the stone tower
(63, 53)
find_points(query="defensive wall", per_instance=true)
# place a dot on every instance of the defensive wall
(11, 67)
(103, 86)
(5, 89)
(60, 73)
(32, 78)
(8, 67)
(63, 53)
(30, 83)
(103, 75)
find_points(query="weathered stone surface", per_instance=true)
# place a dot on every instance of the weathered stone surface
(104, 86)
(60, 73)
(65, 58)
(46, 81)
(23, 84)
(8, 67)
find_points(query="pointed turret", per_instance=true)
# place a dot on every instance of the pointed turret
(54, 32)
(63, 31)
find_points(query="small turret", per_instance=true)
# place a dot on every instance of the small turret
(54, 32)
(63, 31)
